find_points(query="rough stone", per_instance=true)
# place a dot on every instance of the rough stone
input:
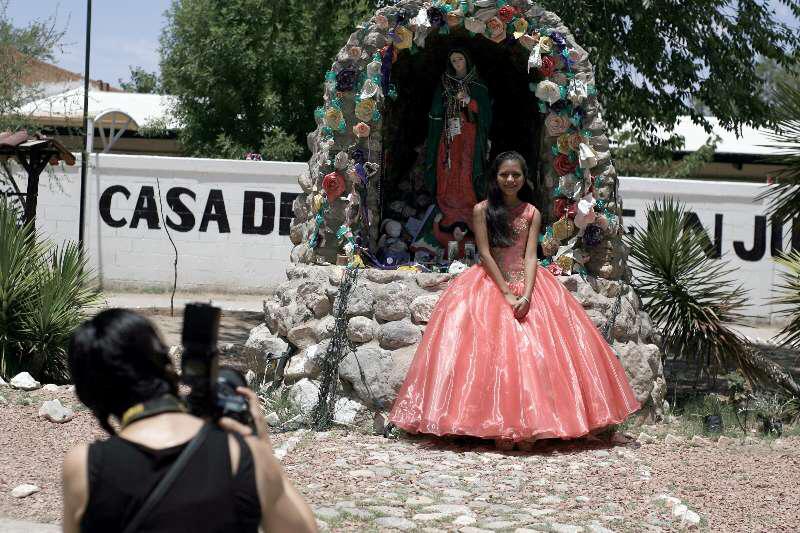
(360, 329)
(645, 438)
(673, 440)
(448, 509)
(642, 364)
(394, 335)
(699, 441)
(23, 491)
(422, 308)
(312, 294)
(50, 387)
(304, 364)
(555, 527)
(724, 442)
(416, 501)
(361, 301)
(305, 394)
(302, 336)
(392, 301)
(346, 411)
(323, 328)
(53, 411)
(272, 419)
(24, 381)
(384, 372)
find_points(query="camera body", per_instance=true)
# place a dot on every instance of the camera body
(212, 388)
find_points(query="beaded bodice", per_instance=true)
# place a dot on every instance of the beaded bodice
(511, 259)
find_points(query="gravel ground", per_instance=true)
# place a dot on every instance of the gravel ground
(357, 482)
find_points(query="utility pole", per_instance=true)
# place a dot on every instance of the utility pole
(89, 134)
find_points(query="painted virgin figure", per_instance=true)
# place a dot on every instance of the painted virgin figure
(459, 121)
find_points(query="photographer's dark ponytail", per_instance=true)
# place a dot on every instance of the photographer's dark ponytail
(117, 359)
(497, 223)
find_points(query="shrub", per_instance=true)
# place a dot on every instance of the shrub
(43, 290)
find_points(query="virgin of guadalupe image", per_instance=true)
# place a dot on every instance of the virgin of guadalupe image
(457, 147)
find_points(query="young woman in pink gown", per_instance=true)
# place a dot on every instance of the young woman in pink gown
(508, 353)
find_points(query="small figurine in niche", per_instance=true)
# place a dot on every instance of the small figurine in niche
(391, 247)
(452, 232)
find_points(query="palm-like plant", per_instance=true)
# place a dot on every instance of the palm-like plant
(784, 195)
(789, 298)
(43, 290)
(689, 298)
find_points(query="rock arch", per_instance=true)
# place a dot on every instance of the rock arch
(574, 172)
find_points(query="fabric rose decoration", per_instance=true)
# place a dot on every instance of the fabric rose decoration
(592, 235)
(354, 52)
(361, 130)
(548, 91)
(585, 214)
(556, 124)
(454, 19)
(576, 55)
(333, 184)
(333, 118)
(554, 269)
(475, 25)
(520, 27)
(563, 143)
(567, 184)
(575, 141)
(529, 41)
(563, 165)
(381, 22)
(346, 79)
(496, 29)
(548, 67)
(507, 13)
(547, 44)
(365, 109)
(403, 38)
(316, 203)
(565, 262)
(602, 222)
(341, 161)
(549, 247)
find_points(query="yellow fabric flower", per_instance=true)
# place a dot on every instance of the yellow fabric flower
(563, 143)
(333, 117)
(520, 27)
(403, 38)
(575, 141)
(565, 262)
(365, 109)
(547, 44)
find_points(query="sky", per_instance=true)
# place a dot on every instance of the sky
(125, 32)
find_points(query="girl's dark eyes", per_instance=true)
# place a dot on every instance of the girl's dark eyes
(513, 175)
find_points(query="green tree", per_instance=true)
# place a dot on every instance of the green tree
(249, 77)
(141, 81)
(20, 48)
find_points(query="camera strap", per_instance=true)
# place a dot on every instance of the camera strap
(169, 478)
(165, 404)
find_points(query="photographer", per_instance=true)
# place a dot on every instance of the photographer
(229, 479)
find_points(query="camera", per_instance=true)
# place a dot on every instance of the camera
(212, 388)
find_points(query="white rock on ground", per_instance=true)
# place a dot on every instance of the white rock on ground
(346, 411)
(25, 490)
(50, 387)
(272, 419)
(305, 394)
(645, 438)
(24, 381)
(53, 411)
(3, 382)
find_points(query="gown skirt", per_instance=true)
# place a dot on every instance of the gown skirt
(481, 372)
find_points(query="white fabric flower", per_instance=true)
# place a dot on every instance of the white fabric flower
(535, 59)
(548, 91)
(341, 161)
(475, 25)
(567, 184)
(587, 156)
(584, 212)
(577, 92)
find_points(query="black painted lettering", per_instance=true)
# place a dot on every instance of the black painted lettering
(287, 200)
(249, 226)
(146, 208)
(713, 249)
(179, 208)
(105, 205)
(759, 242)
(215, 212)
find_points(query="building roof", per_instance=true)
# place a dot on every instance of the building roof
(750, 142)
(17, 144)
(66, 108)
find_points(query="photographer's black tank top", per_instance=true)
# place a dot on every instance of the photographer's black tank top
(206, 496)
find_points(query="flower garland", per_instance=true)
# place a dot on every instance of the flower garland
(561, 93)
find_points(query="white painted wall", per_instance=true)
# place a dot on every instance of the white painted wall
(142, 258)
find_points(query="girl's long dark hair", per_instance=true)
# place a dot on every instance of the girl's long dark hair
(497, 223)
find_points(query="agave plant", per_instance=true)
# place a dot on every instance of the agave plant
(789, 298)
(691, 300)
(683, 289)
(43, 291)
(784, 195)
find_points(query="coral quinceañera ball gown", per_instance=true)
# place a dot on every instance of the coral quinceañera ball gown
(481, 372)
